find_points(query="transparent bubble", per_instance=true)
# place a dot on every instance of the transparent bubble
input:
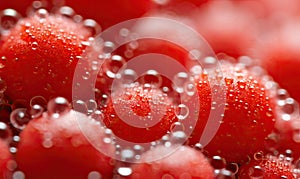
(57, 107)
(4, 131)
(190, 88)
(42, 13)
(113, 66)
(34, 45)
(127, 154)
(92, 25)
(15, 141)
(18, 175)
(124, 171)
(128, 76)
(282, 94)
(152, 77)
(181, 111)
(258, 156)
(178, 137)
(223, 174)
(13, 150)
(19, 118)
(38, 100)
(218, 162)
(179, 81)
(94, 175)
(91, 106)
(108, 47)
(36, 111)
(66, 11)
(8, 19)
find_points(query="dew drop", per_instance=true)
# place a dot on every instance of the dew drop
(93, 26)
(18, 175)
(58, 106)
(113, 65)
(218, 162)
(42, 13)
(94, 175)
(124, 171)
(181, 111)
(4, 131)
(19, 118)
(66, 11)
(152, 77)
(8, 19)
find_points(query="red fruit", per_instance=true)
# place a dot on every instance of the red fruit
(184, 162)
(220, 21)
(108, 13)
(5, 158)
(248, 118)
(279, 54)
(62, 144)
(270, 167)
(139, 114)
(35, 52)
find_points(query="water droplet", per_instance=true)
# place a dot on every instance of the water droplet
(66, 11)
(179, 81)
(42, 13)
(124, 171)
(93, 26)
(8, 19)
(13, 150)
(113, 66)
(19, 118)
(34, 45)
(15, 141)
(58, 106)
(182, 111)
(128, 76)
(94, 175)
(152, 77)
(18, 175)
(4, 131)
(218, 162)
(36, 111)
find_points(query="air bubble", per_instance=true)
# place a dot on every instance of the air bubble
(58, 106)
(66, 11)
(15, 141)
(92, 25)
(282, 94)
(36, 111)
(182, 111)
(179, 81)
(42, 13)
(124, 171)
(223, 174)
(19, 118)
(128, 76)
(38, 100)
(258, 156)
(233, 167)
(218, 162)
(47, 143)
(190, 88)
(94, 175)
(127, 154)
(4, 131)
(34, 45)
(108, 47)
(8, 19)
(113, 65)
(152, 77)
(178, 137)
(196, 70)
(289, 106)
(13, 150)
(18, 175)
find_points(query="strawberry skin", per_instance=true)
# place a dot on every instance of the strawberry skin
(135, 101)
(57, 148)
(34, 53)
(184, 162)
(248, 117)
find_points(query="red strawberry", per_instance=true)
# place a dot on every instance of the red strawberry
(5, 161)
(62, 144)
(108, 13)
(220, 21)
(270, 167)
(139, 113)
(184, 162)
(34, 53)
(248, 118)
(279, 55)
